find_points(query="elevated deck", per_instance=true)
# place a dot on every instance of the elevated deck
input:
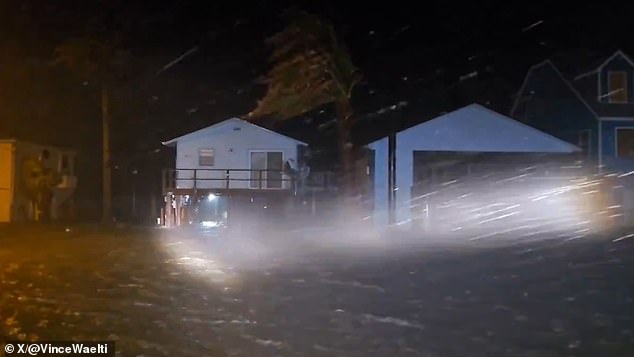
(242, 181)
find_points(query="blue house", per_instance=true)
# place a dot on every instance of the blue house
(592, 110)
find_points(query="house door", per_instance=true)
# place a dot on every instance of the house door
(267, 169)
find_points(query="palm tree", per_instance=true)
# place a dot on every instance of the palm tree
(96, 60)
(311, 68)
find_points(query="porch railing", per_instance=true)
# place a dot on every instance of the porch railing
(228, 179)
(225, 179)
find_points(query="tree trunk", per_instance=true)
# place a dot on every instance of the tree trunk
(346, 147)
(106, 213)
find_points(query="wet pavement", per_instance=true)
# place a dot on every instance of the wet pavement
(159, 293)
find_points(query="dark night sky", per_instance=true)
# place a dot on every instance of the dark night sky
(409, 52)
(403, 48)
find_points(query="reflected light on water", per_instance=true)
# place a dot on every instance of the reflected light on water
(190, 255)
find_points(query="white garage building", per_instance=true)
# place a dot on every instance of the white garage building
(402, 161)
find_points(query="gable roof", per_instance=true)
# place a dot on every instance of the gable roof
(518, 95)
(616, 54)
(560, 75)
(587, 84)
(573, 61)
(213, 127)
(475, 128)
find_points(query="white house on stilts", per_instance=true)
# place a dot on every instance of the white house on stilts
(232, 170)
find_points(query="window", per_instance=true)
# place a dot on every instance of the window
(206, 157)
(267, 169)
(617, 87)
(625, 142)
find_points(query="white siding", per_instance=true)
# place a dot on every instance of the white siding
(232, 143)
(477, 129)
(381, 161)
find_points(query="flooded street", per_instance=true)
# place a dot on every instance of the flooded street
(157, 293)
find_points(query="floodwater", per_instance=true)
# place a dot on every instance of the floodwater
(160, 292)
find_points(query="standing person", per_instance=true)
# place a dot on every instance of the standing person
(291, 171)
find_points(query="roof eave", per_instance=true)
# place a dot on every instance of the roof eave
(170, 143)
(525, 81)
(608, 60)
(173, 142)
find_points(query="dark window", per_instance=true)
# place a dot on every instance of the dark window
(625, 142)
(258, 167)
(206, 157)
(275, 165)
(266, 169)
(617, 87)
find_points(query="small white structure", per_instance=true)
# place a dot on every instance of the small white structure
(233, 170)
(471, 129)
(14, 204)
(233, 154)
